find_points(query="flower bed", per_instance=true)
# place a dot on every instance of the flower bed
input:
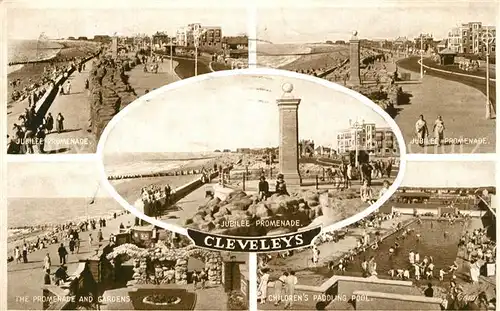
(161, 300)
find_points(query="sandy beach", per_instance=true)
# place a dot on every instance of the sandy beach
(269, 55)
(14, 68)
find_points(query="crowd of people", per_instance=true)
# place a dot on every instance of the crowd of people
(54, 234)
(479, 249)
(343, 175)
(32, 127)
(34, 90)
(67, 237)
(468, 65)
(32, 131)
(152, 194)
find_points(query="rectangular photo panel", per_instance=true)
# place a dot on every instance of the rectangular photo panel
(71, 247)
(432, 246)
(70, 70)
(429, 65)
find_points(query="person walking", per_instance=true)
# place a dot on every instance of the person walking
(291, 282)
(60, 123)
(49, 122)
(438, 130)
(77, 245)
(263, 285)
(68, 88)
(421, 130)
(62, 254)
(203, 277)
(17, 254)
(25, 253)
(46, 277)
(195, 280)
(99, 233)
(91, 239)
(279, 286)
(72, 245)
(47, 262)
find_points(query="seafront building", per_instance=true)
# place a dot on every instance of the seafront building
(379, 141)
(468, 38)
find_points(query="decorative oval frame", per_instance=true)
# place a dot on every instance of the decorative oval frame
(258, 71)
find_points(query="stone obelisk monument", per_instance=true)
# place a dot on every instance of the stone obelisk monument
(289, 136)
(114, 47)
(354, 78)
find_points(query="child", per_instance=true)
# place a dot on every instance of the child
(400, 273)
(384, 189)
(417, 272)
(441, 274)
(406, 274)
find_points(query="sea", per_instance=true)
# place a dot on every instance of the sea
(154, 162)
(25, 212)
(31, 50)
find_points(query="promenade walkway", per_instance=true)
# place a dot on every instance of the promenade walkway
(25, 280)
(75, 109)
(187, 207)
(461, 106)
(142, 81)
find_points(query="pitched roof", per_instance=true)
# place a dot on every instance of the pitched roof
(448, 51)
(443, 42)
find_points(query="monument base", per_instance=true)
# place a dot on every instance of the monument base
(292, 179)
(354, 82)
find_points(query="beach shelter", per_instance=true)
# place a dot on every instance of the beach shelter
(447, 57)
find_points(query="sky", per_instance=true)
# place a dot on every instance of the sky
(54, 180)
(377, 19)
(29, 23)
(213, 114)
(449, 174)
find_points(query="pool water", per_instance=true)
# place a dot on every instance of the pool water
(432, 242)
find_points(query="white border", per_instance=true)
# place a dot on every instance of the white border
(259, 71)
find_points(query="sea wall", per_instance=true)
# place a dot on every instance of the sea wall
(179, 193)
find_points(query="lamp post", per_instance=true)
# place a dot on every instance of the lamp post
(357, 127)
(151, 47)
(196, 35)
(421, 57)
(488, 39)
(171, 56)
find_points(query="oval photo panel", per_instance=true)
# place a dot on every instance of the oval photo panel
(252, 153)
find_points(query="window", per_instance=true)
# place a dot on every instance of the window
(493, 48)
(387, 150)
